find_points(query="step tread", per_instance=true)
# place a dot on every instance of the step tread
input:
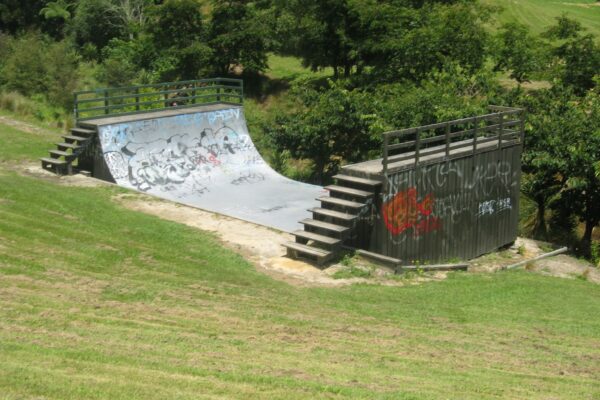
(316, 237)
(69, 145)
(324, 225)
(83, 131)
(350, 191)
(62, 153)
(333, 214)
(54, 161)
(303, 248)
(355, 179)
(341, 202)
(77, 138)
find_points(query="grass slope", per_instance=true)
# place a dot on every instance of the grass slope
(540, 14)
(100, 302)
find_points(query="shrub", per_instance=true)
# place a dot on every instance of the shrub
(36, 65)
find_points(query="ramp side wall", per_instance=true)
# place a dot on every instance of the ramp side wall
(460, 208)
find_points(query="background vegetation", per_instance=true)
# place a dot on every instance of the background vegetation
(325, 77)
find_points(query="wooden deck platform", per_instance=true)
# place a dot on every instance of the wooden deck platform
(94, 123)
(373, 169)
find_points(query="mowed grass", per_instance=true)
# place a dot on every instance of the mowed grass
(539, 15)
(100, 302)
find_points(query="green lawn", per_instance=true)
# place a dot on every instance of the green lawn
(100, 302)
(540, 14)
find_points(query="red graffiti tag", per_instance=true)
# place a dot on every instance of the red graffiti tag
(404, 212)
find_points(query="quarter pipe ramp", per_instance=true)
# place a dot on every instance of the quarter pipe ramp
(203, 157)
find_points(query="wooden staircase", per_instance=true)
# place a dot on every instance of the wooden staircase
(333, 222)
(61, 160)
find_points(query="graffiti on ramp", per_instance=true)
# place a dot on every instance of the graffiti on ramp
(205, 159)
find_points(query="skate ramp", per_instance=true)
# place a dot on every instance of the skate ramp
(204, 159)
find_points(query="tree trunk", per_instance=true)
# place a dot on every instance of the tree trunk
(347, 70)
(586, 240)
(539, 229)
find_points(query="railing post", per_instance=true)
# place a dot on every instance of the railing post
(137, 99)
(386, 142)
(500, 130)
(522, 126)
(194, 92)
(75, 107)
(447, 141)
(241, 92)
(417, 145)
(106, 110)
(218, 91)
(475, 122)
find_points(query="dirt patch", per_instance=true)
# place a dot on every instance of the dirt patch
(82, 179)
(25, 127)
(562, 266)
(261, 245)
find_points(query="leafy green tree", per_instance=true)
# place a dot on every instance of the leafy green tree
(56, 9)
(238, 36)
(178, 41)
(35, 65)
(96, 23)
(560, 154)
(331, 126)
(517, 51)
(578, 54)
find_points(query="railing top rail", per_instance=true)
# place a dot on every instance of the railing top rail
(420, 145)
(501, 111)
(157, 85)
(118, 97)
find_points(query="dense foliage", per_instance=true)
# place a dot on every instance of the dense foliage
(393, 64)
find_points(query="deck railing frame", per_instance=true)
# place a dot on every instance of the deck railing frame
(410, 144)
(110, 102)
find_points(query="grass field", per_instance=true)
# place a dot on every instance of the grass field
(100, 302)
(540, 14)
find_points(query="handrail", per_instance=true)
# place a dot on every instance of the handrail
(118, 101)
(503, 125)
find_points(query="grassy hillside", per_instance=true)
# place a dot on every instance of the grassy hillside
(100, 302)
(540, 14)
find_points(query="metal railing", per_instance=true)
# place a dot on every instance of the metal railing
(502, 127)
(110, 102)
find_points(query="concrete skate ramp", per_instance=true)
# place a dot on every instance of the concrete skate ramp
(203, 158)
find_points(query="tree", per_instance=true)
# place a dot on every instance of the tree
(331, 126)
(578, 54)
(238, 36)
(561, 152)
(96, 23)
(177, 36)
(517, 51)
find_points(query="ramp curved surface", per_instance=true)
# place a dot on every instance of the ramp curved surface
(205, 159)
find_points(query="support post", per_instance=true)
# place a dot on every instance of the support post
(447, 141)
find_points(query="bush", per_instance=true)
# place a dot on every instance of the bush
(36, 65)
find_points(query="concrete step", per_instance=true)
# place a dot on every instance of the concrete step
(304, 235)
(333, 214)
(324, 225)
(60, 153)
(73, 138)
(298, 250)
(357, 180)
(72, 146)
(341, 202)
(82, 132)
(349, 191)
